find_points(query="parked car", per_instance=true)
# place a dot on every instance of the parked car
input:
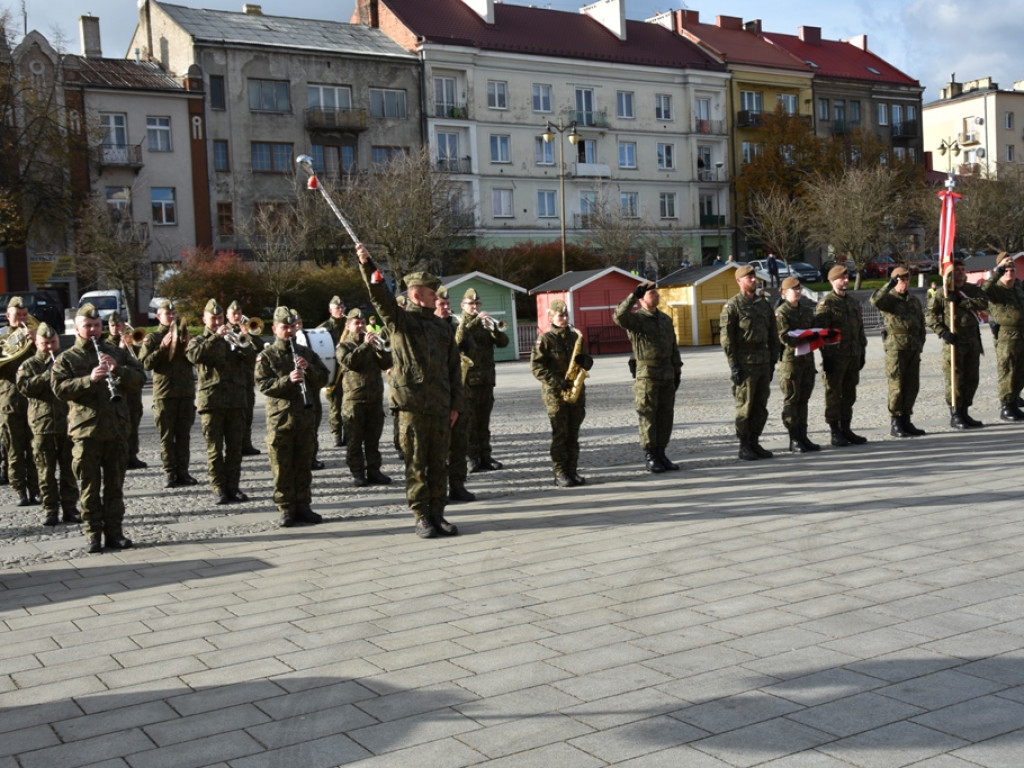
(761, 270)
(44, 306)
(106, 302)
(804, 272)
(153, 304)
(880, 266)
(922, 263)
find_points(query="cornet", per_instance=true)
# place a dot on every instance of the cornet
(381, 343)
(491, 324)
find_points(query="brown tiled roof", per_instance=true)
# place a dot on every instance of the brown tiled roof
(544, 32)
(840, 59)
(119, 73)
(737, 45)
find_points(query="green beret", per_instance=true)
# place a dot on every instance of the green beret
(557, 307)
(790, 282)
(45, 331)
(470, 295)
(425, 279)
(233, 306)
(89, 311)
(355, 314)
(442, 292)
(836, 272)
(213, 307)
(284, 315)
(114, 318)
(17, 302)
(899, 272)
(166, 304)
(745, 270)
(336, 301)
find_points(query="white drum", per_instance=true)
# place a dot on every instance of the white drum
(320, 341)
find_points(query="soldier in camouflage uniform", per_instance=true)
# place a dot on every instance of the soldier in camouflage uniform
(904, 339)
(283, 369)
(796, 372)
(549, 362)
(841, 363)
(1006, 315)
(964, 337)
(751, 344)
(98, 423)
(335, 325)
(478, 382)
(236, 321)
(457, 468)
(427, 386)
(318, 405)
(222, 370)
(116, 327)
(14, 409)
(48, 419)
(658, 371)
(362, 363)
(174, 393)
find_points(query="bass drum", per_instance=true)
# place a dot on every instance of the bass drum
(320, 341)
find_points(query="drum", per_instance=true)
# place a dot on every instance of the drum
(320, 341)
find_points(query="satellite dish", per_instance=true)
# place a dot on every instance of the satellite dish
(979, 121)
(981, 152)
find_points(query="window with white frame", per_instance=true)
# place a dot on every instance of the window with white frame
(586, 151)
(706, 204)
(444, 96)
(501, 148)
(162, 200)
(667, 205)
(1008, 121)
(624, 105)
(788, 102)
(497, 94)
(158, 134)
(541, 97)
(329, 96)
(899, 153)
(543, 152)
(501, 203)
(1009, 153)
(119, 201)
(387, 102)
(546, 204)
(627, 154)
(751, 101)
(663, 106)
(855, 112)
(883, 114)
(448, 151)
(666, 157)
(750, 150)
(630, 202)
(823, 110)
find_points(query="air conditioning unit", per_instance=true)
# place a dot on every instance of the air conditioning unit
(980, 153)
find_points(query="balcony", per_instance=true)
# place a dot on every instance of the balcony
(905, 130)
(748, 118)
(592, 170)
(584, 220)
(120, 156)
(969, 137)
(709, 127)
(844, 127)
(708, 221)
(454, 164)
(450, 111)
(711, 174)
(588, 118)
(328, 119)
(969, 169)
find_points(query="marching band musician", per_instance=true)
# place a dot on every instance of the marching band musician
(555, 352)
(335, 325)
(14, 407)
(459, 444)
(221, 366)
(116, 327)
(174, 393)
(48, 419)
(478, 382)
(237, 321)
(92, 376)
(318, 406)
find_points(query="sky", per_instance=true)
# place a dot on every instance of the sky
(929, 40)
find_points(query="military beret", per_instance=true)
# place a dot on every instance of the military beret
(45, 331)
(899, 272)
(336, 301)
(213, 307)
(745, 270)
(557, 307)
(470, 295)
(166, 304)
(284, 315)
(89, 311)
(424, 279)
(790, 282)
(836, 272)
(234, 307)
(114, 318)
(16, 302)
(442, 292)
(355, 314)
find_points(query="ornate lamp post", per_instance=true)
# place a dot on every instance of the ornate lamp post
(549, 136)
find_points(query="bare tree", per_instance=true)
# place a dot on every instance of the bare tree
(619, 232)
(112, 249)
(277, 237)
(777, 219)
(990, 214)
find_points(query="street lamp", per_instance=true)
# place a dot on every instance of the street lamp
(952, 146)
(549, 136)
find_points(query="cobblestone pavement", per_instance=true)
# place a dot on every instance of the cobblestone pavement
(862, 606)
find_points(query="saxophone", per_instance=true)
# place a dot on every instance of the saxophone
(575, 373)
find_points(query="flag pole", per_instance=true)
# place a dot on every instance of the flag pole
(947, 234)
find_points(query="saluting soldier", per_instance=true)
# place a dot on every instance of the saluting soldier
(841, 363)
(174, 393)
(479, 380)
(335, 324)
(1006, 315)
(750, 341)
(222, 369)
(796, 372)
(550, 360)
(285, 370)
(362, 361)
(93, 377)
(116, 327)
(964, 337)
(659, 370)
(48, 419)
(904, 339)
(236, 320)
(458, 470)
(14, 409)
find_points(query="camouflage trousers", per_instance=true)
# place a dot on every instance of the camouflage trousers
(336, 410)
(903, 368)
(291, 453)
(968, 361)
(52, 452)
(566, 420)
(1010, 364)
(223, 430)
(18, 439)
(479, 404)
(457, 450)
(841, 382)
(796, 383)
(425, 440)
(174, 417)
(751, 397)
(99, 467)
(655, 405)
(364, 423)
(134, 400)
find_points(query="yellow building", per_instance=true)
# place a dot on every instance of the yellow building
(693, 297)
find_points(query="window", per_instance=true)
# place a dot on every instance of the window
(588, 203)
(585, 106)
(329, 96)
(332, 160)
(271, 157)
(706, 204)
(163, 206)
(497, 94)
(448, 151)
(750, 101)
(839, 112)
(897, 115)
(824, 113)
(541, 98)
(855, 112)
(662, 106)
(444, 96)
(269, 96)
(115, 129)
(225, 219)
(546, 204)
(883, 114)
(667, 205)
(384, 155)
(750, 150)
(899, 153)
(119, 201)
(788, 102)
(501, 203)
(501, 148)
(702, 115)
(911, 111)
(221, 161)
(1009, 153)
(387, 102)
(630, 202)
(217, 100)
(624, 101)
(543, 153)
(666, 157)
(627, 154)
(158, 132)
(1008, 121)
(586, 151)
(911, 154)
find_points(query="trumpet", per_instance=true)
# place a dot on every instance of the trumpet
(241, 339)
(491, 324)
(131, 338)
(381, 343)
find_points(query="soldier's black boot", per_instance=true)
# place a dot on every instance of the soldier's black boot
(956, 418)
(1010, 412)
(95, 543)
(896, 428)
(747, 452)
(117, 541)
(562, 480)
(796, 445)
(972, 423)
(51, 519)
(838, 437)
(24, 499)
(806, 441)
(910, 429)
(457, 492)
(136, 463)
(425, 528)
(442, 526)
(376, 477)
(666, 462)
(760, 450)
(854, 439)
(71, 516)
(5, 478)
(653, 465)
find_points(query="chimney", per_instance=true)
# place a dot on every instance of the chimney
(252, 9)
(810, 35)
(729, 22)
(483, 8)
(684, 17)
(611, 14)
(366, 13)
(89, 27)
(860, 41)
(753, 26)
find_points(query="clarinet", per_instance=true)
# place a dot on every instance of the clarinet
(306, 402)
(111, 385)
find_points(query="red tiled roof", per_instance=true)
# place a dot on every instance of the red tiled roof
(544, 32)
(840, 59)
(740, 46)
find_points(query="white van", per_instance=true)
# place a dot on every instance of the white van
(106, 302)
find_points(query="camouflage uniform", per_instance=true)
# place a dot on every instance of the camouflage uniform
(17, 435)
(479, 388)
(904, 339)
(796, 372)
(257, 343)
(174, 403)
(290, 426)
(51, 446)
(336, 395)
(362, 379)
(223, 375)
(971, 299)
(1006, 310)
(658, 373)
(134, 409)
(841, 363)
(99, 427)
(458, 471)
(750, 341)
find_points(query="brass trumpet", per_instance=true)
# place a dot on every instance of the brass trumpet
(491, 324)
(382, 344)
(242, 339)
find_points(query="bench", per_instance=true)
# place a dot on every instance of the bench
(606, 339)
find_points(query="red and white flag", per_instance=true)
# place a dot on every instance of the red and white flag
(947, 230)
(814, 338)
